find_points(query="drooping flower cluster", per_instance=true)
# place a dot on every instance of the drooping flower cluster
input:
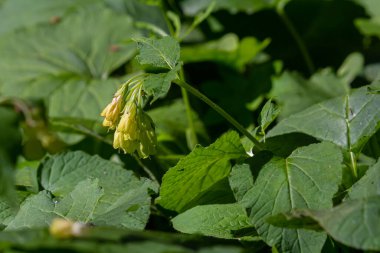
(134, 129)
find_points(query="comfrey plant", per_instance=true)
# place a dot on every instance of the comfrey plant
(134, 129)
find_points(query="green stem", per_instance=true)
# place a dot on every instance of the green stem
(146, 169)
(219, 110)
(301, 45)
(193, 135)
(353, 165)
(193, 140)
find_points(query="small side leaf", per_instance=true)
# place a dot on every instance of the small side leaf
(158, 85)
(368, 185)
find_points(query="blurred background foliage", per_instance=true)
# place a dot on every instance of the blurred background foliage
(61, 61)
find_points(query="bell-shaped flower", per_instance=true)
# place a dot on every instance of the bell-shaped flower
(112, 111)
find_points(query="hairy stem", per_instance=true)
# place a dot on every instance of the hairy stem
(219, 110)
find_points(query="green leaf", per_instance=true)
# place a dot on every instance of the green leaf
(368, 27)
(372, 7)
(16, 14)
(158, 85)
(347, 121)
(171, 119)
(227, 50)
(36, 211)
(293, 93)
(192, 7)
(268, 114)
(351, 67)
(241, 180)
(139, 11)
(353, 223)
(88, 189)
(158, 53)
(368, 185)
(198, 172)
(308, 178)
(212, 220)
(80, 204)
(69, 63)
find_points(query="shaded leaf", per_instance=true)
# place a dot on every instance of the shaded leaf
(139, 11)
(212, 220)
(347, 121)
(195, 174)
(368, 185)
(226, 50)
(192, 7)
(241, 180)
(171, 119)
(308, 178)
(293, 93)
(10, 139)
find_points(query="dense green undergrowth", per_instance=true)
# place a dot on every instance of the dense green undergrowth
(189, 126)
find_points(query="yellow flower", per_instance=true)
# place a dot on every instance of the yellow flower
(128, 124)
(111, 112)
(134, 129)
(135, 132)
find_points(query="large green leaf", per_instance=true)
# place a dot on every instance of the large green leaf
(16, 14)
(368, 185)
(308, 178)
(347, 121)
(69, 63)
(198, 172)
(354, 223)
(88, 189)
(212, 220)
